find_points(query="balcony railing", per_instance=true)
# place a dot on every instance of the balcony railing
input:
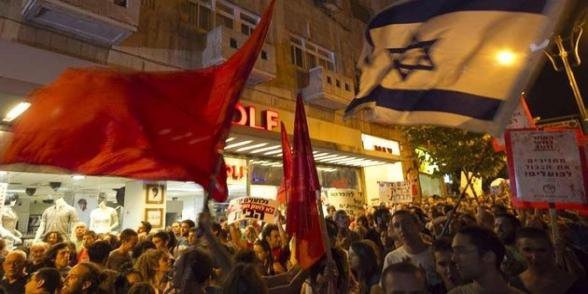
(328, 89)
(104, 22)
(222, 42)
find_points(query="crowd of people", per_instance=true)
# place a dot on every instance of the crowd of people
(479, 246)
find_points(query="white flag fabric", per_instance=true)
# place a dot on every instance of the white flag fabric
(454, 63)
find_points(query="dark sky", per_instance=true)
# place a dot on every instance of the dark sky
(551, 95)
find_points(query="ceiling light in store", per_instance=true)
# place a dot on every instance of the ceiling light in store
(251, 147)
(320, 155)
(273, 152)
(15, 191)
(265, 149)
(315, 152)
(78, 177)
(326, 157)
(15, 111)
(229, 139)
(238, 144)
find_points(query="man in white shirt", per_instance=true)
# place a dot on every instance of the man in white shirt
(407, 228)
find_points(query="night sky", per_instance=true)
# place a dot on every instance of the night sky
(551, 95)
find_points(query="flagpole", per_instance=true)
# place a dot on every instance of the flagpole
(453, 211)
(326, 242)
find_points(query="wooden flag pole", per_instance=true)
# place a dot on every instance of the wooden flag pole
(452, 212)
(326, 242)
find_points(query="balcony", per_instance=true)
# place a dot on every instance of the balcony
(222, 42)
(102, 22)
(328, 89)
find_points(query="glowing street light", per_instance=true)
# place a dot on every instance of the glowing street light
(505, 57)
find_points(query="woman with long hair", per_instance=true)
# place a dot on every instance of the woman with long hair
(264, 255)
(244, 279)
(363, 263)
(154, 266)
(58, 257)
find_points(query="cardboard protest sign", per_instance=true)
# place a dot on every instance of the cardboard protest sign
(345, 199)
(546, 166)
(252, 208)
(395, 192)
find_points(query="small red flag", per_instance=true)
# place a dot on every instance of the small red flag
(302, 213)
(287, 166)
(521, 119)
(145, 125)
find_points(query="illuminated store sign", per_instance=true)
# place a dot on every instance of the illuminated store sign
(247, 116)
(380, 144)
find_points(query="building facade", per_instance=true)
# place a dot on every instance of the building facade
(312, 49)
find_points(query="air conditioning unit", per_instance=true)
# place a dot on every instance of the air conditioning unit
(332, 5)
(84, 24)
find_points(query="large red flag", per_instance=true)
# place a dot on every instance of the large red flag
(286, 165)
(145, 125)
(302, 213)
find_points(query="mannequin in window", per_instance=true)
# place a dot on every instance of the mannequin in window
(59, 217)
(9, 220)
(103, 219)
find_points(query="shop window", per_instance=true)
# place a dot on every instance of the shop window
(347, 88)
(264, 55)
(329, 80)
(338, 83)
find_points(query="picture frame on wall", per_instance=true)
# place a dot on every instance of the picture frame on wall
(154, 193)
(154, 216)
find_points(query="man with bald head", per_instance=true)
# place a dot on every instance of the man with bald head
(15, 277)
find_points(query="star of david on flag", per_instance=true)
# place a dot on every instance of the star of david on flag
(453, 63)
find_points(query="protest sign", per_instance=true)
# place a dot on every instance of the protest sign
(395, 192)
(252, 208)
(546, 166)
(346, 199)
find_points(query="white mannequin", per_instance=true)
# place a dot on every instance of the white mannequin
(59, 217)
(9, 220)
(103, 219)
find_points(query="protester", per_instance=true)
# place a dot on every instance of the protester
(120, 258)
(244, 279)
(271, 235)
(444, 265)
(87, 240)
(478, 254)
(403, 277)
(15, 276)
(506, 226)
(57, 257)
(364, 265)
(406, 227)
(78, 235)
(44, 281)
(154, 266)
(36, 256)
(84, 278)
(542, 274)
(53, 238)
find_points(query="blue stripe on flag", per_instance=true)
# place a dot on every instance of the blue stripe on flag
(478, 107)
(421, 10)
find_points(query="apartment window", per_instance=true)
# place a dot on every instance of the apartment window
(212, 13)
(307, 55)
(122, 3)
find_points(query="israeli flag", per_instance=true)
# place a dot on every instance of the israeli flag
(453, 63)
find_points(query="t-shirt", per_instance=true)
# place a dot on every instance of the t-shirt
(425, 260)
(473, 288)
(102, 219)
(119, 261)
(17, 287)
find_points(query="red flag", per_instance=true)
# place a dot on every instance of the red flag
(302, 213)
(145, 125)
(287, 166)
(521, 119)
